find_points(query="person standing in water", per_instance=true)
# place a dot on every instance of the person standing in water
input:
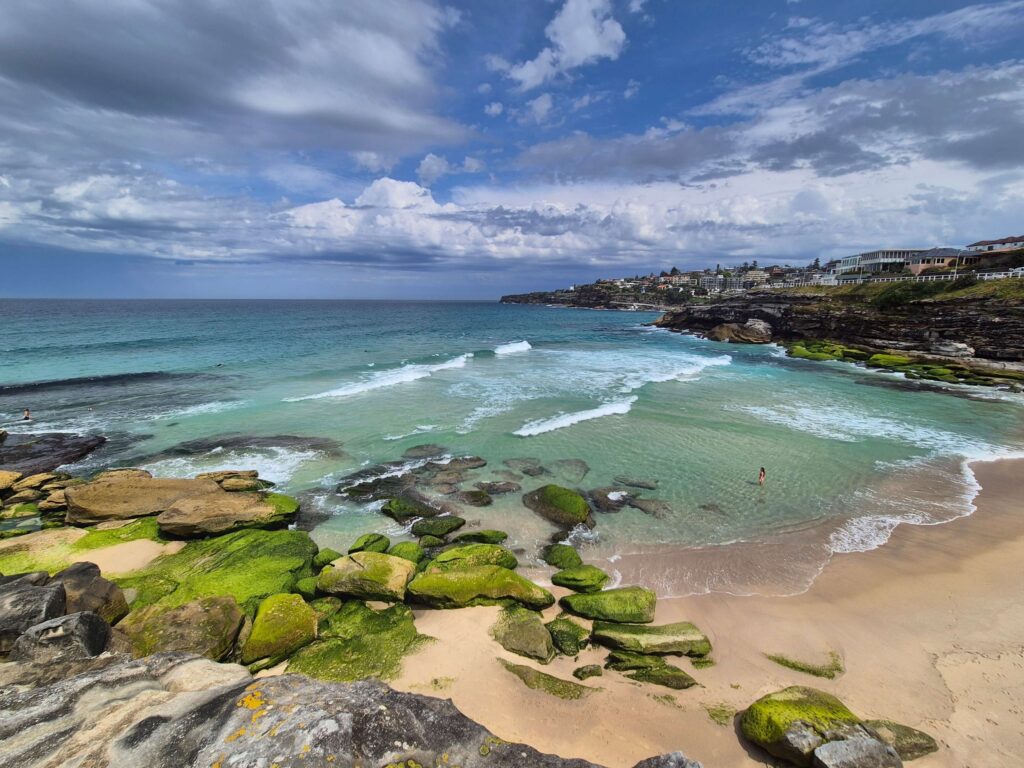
(27, 415)
(761, 477)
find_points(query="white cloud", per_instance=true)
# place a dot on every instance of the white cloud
(433, 167)
(494, 109)
(483, 88)
(374, 161)
(636, 6)
(538, 109)
(632, 89)
(582, 32)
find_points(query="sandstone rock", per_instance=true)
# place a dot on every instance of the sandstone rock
(561, 506)
(856, 753)
(7, 479)
(86, 590)
(228, 474)
(55, 501)
(245, 484)
(367, 576)
(123, 473)
(123, 495)
(25, 496)
(753, 331)
(23, 605)
(425, 451)
(207, 626)
(35, 482)
(75, 636)
(519, 630)
(205, 514)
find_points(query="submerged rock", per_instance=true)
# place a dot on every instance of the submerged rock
(653, 507)
(527, 466)
(367, 576)
(681, 638)
(626, 604)
(497, 488)
(425, 451)
(521, 631)
(611, 499)
(561, 506)
(477, 585)
(634, 482)
(570, 470)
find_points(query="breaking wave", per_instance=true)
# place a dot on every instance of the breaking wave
(407, 373)
(512, 347)
(563, 420)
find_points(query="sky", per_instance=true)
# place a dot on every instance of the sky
(463, 150)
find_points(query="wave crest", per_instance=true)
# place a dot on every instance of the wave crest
(540, 426)
(404, 375)
(512, 347)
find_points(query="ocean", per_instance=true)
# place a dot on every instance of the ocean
(310, 391)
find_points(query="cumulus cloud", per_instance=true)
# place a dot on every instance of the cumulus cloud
(433, 167)
(494, 109)
(538, 109)
(632, 89)
(582, 32)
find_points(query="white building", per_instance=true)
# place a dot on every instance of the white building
(1006, 244)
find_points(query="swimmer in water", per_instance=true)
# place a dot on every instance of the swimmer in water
(761, 477)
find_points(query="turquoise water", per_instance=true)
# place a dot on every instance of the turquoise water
(849, 453)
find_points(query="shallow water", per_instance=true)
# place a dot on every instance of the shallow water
(847, 455)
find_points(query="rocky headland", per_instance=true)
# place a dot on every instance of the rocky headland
(948, 332)
(185, 622)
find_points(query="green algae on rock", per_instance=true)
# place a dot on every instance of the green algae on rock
(484, 536)
(587, 671)
(520, 630)
(429, 542)
(568, 636)
(470, 555)
(561, 556)
(645, 668)
(283, 624)
(541, 681)
(625, 604)
(306, 587)
(404, 508)
(477, 585)
(561, 506)
(367, 576)
(358, 642)
(681, 638)
(437, 526)
(207, 626)
(370, 542)
(408, 550)
(908, 742)
(248, 565)
(324, 557)
(828, 671)
(582, 578)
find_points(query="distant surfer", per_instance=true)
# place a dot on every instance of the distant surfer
(761, 477)
(27, 415)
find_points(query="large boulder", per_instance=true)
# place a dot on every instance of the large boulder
(857, 752)
(36, 481)
(561, 506)
(370, 542)
(582, 578)
(207, 626)
(367, 576)
(753, 331)
(86, 590)
(626, 604)
(209, 514)
(561, 556)
(283, 624)
(120, 496)
(23, 605)
(471, 555)
(520, 630)
(794, 722)
(75, 636)
(437, 526)
(681, 638)
(477, 585)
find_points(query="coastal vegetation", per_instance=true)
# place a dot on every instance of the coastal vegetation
(829, 671)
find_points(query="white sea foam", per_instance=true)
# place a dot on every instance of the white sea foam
(197, 410)
(512, 347)
(407, 373)
(660, 373)
(563, 420)
(275, 464)
(420, 430)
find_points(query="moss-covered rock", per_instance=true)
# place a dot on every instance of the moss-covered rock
(408, 550)
(207, 626)
(367, 576)
(582, 578)
(404, 508)
(625, 604)
(541, 681)
(520, 630)
(645, 668)
(475, 498)
(370, 542)
(587, 671)
(829, 671)
(283, 624)
(569, 638)
(478, 585)
(681, 638)
(793, 722)
(561, 506)
(324, 557)
(306, 587)
(628, 661)
(908, 742)
(470, 555)
(358, 642)
(437, 526)
(248, 565)
(485, 536)
(430, 542)
(561, 556)
(888, 361)
(325, 607)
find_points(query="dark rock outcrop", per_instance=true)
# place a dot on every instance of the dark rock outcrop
(79, 635)
(34, 453)
(23, 605)
(87, 590)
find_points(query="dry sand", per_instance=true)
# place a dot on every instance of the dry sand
(930, 628)
(128, 555)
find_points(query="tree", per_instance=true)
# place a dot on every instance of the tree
(754, 264)
(816, 264)
(674, 272)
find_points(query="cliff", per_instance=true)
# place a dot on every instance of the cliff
(981, 325)
(597, 296)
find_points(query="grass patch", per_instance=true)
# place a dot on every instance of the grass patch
(828, 671)
(667, 699)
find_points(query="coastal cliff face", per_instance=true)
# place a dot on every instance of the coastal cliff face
(985, 327)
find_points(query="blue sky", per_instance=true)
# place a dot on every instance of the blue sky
(420, 149)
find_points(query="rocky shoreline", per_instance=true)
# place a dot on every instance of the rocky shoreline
(956, 338)
(162, 657)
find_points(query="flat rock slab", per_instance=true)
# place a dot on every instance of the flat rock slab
(31, 454)
(219, 511)
(124, 496)
(681, 638)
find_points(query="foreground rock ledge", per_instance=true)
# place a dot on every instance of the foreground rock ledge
(177, 711)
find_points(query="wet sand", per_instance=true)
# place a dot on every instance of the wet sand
(930, 628)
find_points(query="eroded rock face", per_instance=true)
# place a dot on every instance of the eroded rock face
(185, 712)
(75, 636)
(207, 627)
(206, 514)
(753, 331)
(121, 496)
(23, 605)
(87, 590)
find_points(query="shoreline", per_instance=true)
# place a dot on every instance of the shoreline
(929, 627)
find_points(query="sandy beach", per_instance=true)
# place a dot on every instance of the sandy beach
(930, 628)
